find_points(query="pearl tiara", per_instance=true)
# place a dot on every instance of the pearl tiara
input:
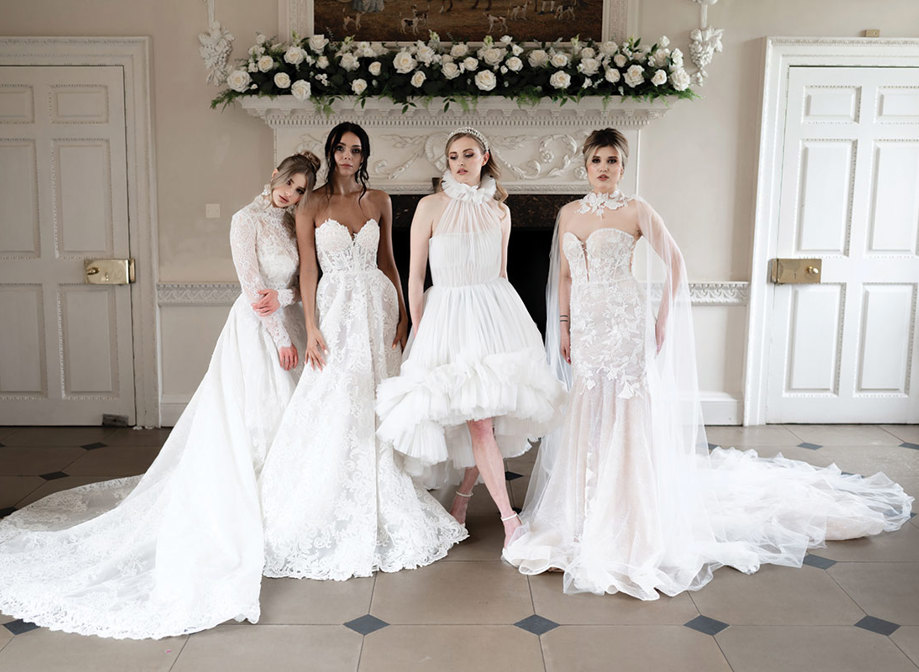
(469, 130)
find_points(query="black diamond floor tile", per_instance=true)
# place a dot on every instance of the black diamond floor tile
(706, 625)
(53, 475)
(510, 475)
(366, 624)
(712, 446)
(93, 446)
(7, 511)
(907, 444)
(536, 624)
(818, 561)
(19, 626)
(809, 446)
(878, 625)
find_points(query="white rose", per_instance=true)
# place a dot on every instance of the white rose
(589, 66)
(256, 51)
(294, 55)
(559, 60)
(486, 80)
(322, 62)
(375, 68)
(587, 52)
(676, 59)
(418, 79)
(612, 75)
(404, 62)
(378, 48)
(359, 86)
(538, 58)
(323, 79)
(659, 58)
(238, 80)
(451, 70)
(265, 63)
(494, 55)
(300, 89)
(560, 80)
(506, 39)
(469, 63)
(620, 60)
(282, 80)
(514, 63)
(664, 41)
(680, 79)
(608, 48)
(252, 67)
(660, 77)
(587, 83)
(425, 54)
(459, 50)
(317, 42)
(349, 62)
(516, 50)
(260, 38)
(634, 76)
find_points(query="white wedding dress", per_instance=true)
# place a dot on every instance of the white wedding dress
(335, 502)
(477, 355)
(626, 497)
(178, 549)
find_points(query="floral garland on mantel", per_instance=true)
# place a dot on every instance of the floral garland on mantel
(315, 68)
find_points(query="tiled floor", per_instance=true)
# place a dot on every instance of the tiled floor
(854, 606)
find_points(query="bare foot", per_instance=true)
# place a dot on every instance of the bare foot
(510, 526)
(458, 508)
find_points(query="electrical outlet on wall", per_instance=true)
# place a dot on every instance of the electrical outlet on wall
(212, 210)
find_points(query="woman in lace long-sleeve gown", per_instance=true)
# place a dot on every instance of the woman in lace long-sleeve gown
(626, 497)
(179, 549)
(474, 385)
(334, 500)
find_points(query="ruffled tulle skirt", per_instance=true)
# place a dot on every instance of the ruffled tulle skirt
(477, 355)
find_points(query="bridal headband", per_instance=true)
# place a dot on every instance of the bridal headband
(469, 130)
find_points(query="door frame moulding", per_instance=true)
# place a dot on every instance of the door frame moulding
(781, 54)
(133, 55)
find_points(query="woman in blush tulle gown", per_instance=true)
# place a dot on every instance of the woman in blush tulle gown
(179, 549)
(474, 386)
(334, 500)
(625, 497)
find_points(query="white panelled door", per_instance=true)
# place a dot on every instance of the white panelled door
(65, 346)
(846, 350)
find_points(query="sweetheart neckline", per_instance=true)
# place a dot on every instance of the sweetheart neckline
(352, 234)
(597, 230)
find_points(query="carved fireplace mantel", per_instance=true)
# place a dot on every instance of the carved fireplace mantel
(537, 147)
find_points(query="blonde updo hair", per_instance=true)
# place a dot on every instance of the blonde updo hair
(490, 168)
(606, 137)
(306, 164)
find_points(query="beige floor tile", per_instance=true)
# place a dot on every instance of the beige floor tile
(37, 460)
(451, 648)
(56, 485)
(453, 593)
(46, 651)
(136, 437)
(15, 488)
(486, 533)
(908, 433)
(776, 596)
(303, 601)
(911, 486)
(5, 638)
(844, 435)
(586, 609)
(894, 461)
(524, 463)
(55, 436)
(899, 546)
(810, 649)
(888, 590)
(234, 648)
(114, 461)
(750, 437)
(907, 638)
(638, 648)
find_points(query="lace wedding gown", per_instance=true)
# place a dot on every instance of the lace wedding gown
(334, 501)
(626, 497)
(178, 549)
(477, 355)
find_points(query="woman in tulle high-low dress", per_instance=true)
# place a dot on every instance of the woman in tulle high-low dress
(335, 502)
(474, 385)
(625, 497)
(179, 549)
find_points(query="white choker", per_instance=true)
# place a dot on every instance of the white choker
(480, 193)
(597, 203)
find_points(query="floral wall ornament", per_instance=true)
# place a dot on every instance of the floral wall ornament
(704, 42)
(215, 49)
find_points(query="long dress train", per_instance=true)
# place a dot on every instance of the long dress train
(335, 502)
(178, 549)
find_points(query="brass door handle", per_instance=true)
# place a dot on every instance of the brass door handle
(108, 271)
(795, 271)
(92, 270)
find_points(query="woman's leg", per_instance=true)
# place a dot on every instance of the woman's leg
(491, 465)
(464, 494)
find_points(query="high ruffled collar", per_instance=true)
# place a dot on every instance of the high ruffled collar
(464, 192)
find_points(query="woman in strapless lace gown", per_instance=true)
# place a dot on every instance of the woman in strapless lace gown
(334, 501)
(179, 549)
(625, 497)
(474, 386)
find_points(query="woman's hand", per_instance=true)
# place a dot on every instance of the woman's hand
(315, 349)
(288, 357)
(660, 330)
(267, 304)
(401, 333)
(564, 342)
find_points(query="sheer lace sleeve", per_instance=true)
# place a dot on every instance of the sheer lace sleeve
(243, 242)
(287, 297)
